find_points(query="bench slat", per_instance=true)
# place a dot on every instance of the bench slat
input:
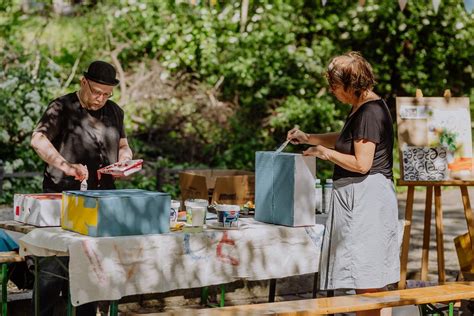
(17, 226)
(10, 256)
(341, 304)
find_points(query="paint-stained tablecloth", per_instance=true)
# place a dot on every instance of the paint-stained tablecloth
(109, 268)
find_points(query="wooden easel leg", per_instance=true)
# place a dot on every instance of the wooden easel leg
(439, 234)
(426, 234)
(406, 237)
(468, 214)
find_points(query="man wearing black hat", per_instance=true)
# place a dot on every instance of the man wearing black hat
(78, 134)
(81, 132)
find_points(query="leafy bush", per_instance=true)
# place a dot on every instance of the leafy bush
(200, 88)
(25, 90)
(273, 69)
(260, 67)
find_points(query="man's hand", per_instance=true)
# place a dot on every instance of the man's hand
(45, 149)
(78, 171)
(125, 153)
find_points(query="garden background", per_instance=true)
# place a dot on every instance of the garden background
(205, 84)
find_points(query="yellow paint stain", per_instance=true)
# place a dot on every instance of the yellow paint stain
(75, 216)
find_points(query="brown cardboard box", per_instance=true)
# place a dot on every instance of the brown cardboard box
(221, 186)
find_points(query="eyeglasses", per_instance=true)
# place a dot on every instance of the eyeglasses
(98, 93)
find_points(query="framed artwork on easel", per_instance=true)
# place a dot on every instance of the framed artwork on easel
(434, 138)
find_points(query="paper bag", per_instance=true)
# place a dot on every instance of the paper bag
(220, 186)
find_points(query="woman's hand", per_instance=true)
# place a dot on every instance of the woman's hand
(295, 136)
(318, 151)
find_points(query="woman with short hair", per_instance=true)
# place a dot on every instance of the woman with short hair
(360, 246)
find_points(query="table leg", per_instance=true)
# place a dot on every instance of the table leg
(406, 237)
(439, 234)
(113, 308)
(315, 284)
(426, 234)
(71, 310)
(451, 309)
(4, 288)
(222, 300)
(271, 294)
(204, 295)
(468, 214)
(330, 293)
(36, 292)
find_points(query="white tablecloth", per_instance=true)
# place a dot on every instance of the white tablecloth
(109, 268)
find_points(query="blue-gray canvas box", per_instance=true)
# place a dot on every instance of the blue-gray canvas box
(101, 213)
(284, 188)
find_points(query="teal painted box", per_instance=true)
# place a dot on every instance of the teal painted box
(104, 213)
(284, 188)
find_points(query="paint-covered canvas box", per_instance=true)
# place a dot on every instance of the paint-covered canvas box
(41, 210)
(115, 212)
(284, 188)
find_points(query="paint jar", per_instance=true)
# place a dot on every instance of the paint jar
(327, 191)
(318, 188)
(174, 210)
(189, 204)
(228, 215)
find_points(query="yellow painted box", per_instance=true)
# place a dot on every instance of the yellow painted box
(101, 213)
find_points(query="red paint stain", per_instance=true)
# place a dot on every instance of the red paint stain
(95, 262)
(223, 257)
(122, 257)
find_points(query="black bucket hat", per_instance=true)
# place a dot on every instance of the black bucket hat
(102, 72)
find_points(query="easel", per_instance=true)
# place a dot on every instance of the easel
(463, 185)
(430, 185)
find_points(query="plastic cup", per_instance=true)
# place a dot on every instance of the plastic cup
(190, 204)
(198, 215)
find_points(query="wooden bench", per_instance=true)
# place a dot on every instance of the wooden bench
(17, 226)
(6, 258)
(446, 293)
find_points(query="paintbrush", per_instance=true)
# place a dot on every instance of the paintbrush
(282, 146)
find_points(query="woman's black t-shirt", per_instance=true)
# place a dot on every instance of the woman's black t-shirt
(372, 122)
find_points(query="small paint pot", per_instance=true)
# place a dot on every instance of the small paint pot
(228, 215)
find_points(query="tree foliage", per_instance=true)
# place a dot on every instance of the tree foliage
(201, 87)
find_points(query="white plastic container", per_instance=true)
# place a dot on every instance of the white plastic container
(228, 215)
(318, 188)
(175, 205)
(327, 195)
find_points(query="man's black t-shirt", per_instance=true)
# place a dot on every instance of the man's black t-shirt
(83, 137)
(372, 122)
